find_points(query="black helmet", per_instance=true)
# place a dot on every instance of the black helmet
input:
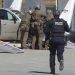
(56, 13)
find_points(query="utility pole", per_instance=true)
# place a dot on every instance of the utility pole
(56, 4)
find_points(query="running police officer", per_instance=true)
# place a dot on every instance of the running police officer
(56, 28)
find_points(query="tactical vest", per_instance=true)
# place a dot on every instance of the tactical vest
(58, 28)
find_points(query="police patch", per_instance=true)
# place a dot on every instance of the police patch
(58, 23)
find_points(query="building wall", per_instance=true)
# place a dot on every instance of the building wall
(50, 2)
(61, 4)
(30, 4)
(0, 3)
(73, 21)
(7, 3)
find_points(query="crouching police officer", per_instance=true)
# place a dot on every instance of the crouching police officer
(56, 28)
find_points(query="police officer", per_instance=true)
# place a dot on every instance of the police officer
(56, 28)
(35, 25)
(49, 16)
(25, 28)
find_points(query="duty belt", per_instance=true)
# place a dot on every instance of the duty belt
(57, 35)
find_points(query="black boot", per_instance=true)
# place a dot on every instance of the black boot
(52, 69)
(52, 73)
(52, 64)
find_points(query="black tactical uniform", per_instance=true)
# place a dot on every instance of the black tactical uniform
(54, 30)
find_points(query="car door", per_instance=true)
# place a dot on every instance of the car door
(9, 25)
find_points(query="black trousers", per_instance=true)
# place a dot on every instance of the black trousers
(59, 48)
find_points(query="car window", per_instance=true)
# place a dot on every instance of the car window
(10, 16)
(6, 15)
(3, 14)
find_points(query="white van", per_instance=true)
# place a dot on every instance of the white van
(9, 23)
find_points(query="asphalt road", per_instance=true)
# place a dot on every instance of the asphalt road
(35, 62)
